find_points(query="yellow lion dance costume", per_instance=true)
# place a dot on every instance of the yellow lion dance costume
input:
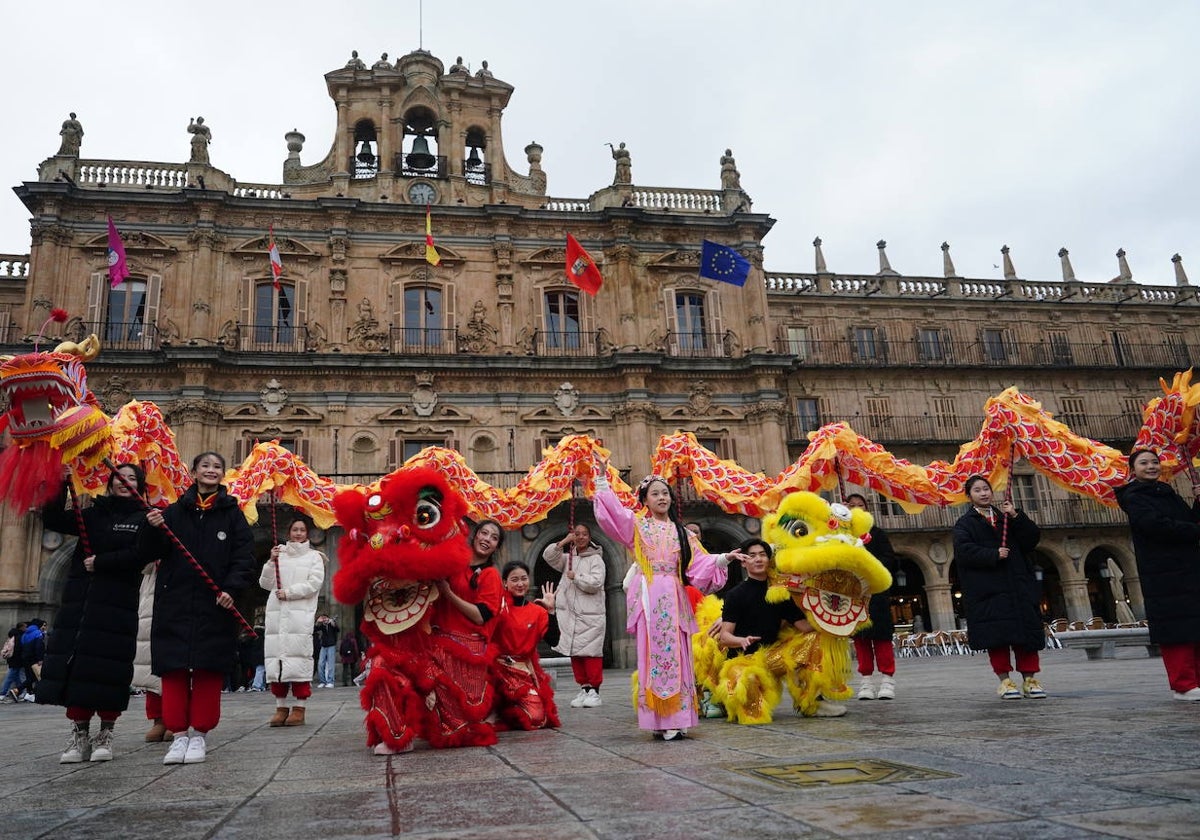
(822, 564)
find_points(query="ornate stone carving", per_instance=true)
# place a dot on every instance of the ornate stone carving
(193, 411)
(317, 337)
(72, 137)
(641, 411)
(365, 333)
(338, 246)
(566, 398)
(201, 306)
(75, 329)
(273, 397)
(700, 398)
(337, 282)
(114, 393)
(424, 398)
(479, 336)
(228, 337)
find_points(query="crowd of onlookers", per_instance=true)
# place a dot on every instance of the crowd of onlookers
(24, 650)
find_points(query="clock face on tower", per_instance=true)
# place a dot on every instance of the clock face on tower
(422, 193)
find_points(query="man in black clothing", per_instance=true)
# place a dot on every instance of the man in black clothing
(747, 620)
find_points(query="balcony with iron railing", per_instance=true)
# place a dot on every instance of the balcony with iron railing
(423, 341)
(699, 344)
(571, 344)
(478, 174)
(956, 429)
(134, 335)
(1073, 512)
(438, 168)
(947, 353)
(272, 339)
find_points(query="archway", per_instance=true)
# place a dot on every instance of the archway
(910, 602)
(1053, 602)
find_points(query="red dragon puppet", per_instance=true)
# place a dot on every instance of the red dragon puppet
(400, 540)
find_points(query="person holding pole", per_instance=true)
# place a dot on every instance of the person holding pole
(206, 553)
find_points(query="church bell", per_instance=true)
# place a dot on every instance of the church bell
(419, 157)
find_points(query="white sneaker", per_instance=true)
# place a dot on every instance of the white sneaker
(177, 751)
(77, 748)
(383, 749)
(866, 689)
(887, 688)
(577, 703)
(102, 745)
(592, 700)
(1190, 694)
(673, 735)
(197, 750)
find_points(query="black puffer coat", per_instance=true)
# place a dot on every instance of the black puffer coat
(89, 654)
(879, 610)
(1002, 597)
(189, 630)
(1166, 543)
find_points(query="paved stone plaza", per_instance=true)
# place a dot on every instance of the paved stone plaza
(1109, 754)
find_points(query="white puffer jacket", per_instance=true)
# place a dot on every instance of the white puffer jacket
(142, 678)
(579, 603)
(288, 647)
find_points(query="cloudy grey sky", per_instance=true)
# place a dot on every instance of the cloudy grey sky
(1036, 124)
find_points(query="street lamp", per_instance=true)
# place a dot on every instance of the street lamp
(901, 579)
(1038, 574)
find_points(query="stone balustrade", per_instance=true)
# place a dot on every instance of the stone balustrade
(260, 191)
(568, 205)
(14, 265)
(668, 198)
(850, 285)
(130, 173)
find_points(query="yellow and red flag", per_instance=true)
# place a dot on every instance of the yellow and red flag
(431, 254)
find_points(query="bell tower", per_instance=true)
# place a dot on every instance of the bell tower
(412, 132)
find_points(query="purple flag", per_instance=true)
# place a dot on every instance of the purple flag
(117, 270)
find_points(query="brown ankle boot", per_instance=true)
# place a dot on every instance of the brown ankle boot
(280, 716)
(157, 732)
(296, 717)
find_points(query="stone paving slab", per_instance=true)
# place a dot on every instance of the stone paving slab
(1109, 754)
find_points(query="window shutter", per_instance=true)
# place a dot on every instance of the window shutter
(449, 342)
(305, 450)
(301, 315)
(239, 451)
(715, 325)
(150, 321)
(393, 454)
(672, 323)
(97, 287)
(397, 326)
(246, 326)
(452, 443)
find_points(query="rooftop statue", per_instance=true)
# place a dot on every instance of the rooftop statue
(72, 136)
(201, 137)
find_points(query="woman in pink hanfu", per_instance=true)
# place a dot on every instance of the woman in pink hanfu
(658, 609)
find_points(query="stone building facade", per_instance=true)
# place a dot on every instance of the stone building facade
(366, 353)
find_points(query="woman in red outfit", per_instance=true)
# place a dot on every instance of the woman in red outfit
(524, 696)
(463, 620)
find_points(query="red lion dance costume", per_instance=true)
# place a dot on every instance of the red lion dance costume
(423, 683)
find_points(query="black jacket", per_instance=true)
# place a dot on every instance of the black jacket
(879, 610)
(189, 630)
(89, 655)
(1002, 597)
(1166, 543)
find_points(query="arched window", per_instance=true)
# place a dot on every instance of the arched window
(274, 319)
(125, 317)
(475, 168)
(364, 163)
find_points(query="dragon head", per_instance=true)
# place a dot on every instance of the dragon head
(821, 561)
(52, 418)
(399, 539)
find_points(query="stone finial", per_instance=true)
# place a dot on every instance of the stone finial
(1180, 274)
(821, 269)
(295, 143)
(885, 268)
(947, 263)
(1124, 275)
(1010, 273)
(1068, 273)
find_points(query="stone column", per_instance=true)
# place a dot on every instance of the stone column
(941, 606)
(1137, 601)
(1075, 593)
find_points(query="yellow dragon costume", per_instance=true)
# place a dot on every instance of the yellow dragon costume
(821, 563)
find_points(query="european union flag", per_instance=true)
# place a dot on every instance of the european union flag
(717, 262)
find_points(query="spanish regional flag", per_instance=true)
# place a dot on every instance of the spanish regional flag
(273, 256)
(581, 268)
(431, 254)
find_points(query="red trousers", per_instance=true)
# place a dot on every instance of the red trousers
(1182, 662)
(79, 714)
(1026, 660)
(192, 698)
(875, 652)
(153, 706)
(588, 670)
(300, 690)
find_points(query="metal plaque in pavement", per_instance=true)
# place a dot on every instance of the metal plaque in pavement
(845, 772)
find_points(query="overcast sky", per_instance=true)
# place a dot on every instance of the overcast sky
(1038, 125)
